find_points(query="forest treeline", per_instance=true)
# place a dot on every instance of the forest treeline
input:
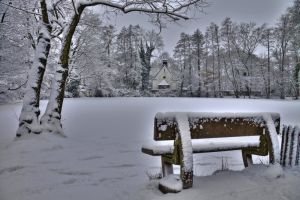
(226, 59)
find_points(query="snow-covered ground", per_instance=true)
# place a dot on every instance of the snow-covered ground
(101, 156)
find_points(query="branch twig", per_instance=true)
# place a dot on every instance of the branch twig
(33, 13)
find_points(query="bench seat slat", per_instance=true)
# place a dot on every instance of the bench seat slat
(204, 145)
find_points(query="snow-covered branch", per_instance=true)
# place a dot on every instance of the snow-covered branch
(173, 9)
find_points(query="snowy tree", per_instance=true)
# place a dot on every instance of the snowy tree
(268, 42)
(182, 53)
(28, 122)
(128, 41)
(17, 41)
(247, 39)
(231, 69)
(282, 41)
(91, 57)
(150, 42)
(197, 48)
(294, 32)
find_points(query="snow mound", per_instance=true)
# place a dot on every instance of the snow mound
(274, 171)
(270, 172)
(170, 183)
(154, 174)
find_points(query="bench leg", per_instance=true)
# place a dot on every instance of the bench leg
(247, 159)
(187, 179)
(167, 167)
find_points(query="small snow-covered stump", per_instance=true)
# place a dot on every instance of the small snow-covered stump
(290, 146)
(170, 184)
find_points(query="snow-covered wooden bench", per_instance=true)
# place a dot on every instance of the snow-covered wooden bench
(179, 135)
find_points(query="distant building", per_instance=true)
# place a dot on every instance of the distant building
(164, 80)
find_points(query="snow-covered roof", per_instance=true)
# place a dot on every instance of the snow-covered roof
(165, 69)
(164, 82)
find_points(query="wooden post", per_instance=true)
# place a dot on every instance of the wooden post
(283, 144)
(290, 146)
(247, 158)
(167, 167)
(184, 142)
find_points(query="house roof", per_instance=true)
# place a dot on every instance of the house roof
(164, 67)
(164, 82)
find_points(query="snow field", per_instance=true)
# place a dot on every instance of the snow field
(101, 157)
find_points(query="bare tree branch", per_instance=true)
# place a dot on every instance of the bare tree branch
(9, 5)
(175, 10)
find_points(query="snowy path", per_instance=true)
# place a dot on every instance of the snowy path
(101, 158)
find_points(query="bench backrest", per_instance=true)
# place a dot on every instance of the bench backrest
(208, 125)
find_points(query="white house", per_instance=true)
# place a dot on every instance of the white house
(163, 80)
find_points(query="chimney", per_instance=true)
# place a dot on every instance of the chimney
(165, 63)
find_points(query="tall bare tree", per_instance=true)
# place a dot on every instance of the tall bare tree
(282, 39)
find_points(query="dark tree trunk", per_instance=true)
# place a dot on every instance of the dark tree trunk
(218, 61)
(51, 120)
(269, 67)
(146, 64)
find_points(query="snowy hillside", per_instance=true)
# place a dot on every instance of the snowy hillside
(101, 157)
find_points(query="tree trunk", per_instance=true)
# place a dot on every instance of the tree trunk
(296, 79)
(213, 63)
(199, 70)
(51, 120)
(282, 94)
(219, 62)
(190, 71)
(146, 66)
(29, 117)
(269, 67)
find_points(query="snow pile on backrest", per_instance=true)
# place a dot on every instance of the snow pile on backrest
(193, 117)
(273, 136)
(185, 134)
(171, 115)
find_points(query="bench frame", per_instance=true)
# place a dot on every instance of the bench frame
(208, 125)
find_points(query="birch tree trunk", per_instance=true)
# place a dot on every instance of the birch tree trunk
(51, 120)
(29, 117)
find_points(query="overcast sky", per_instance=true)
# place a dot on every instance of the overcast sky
(259, 11)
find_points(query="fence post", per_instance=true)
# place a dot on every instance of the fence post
(290, 146)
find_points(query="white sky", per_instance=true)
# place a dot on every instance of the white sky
(259, 11)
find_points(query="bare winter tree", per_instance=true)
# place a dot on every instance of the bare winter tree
(197, 48)
(183, 56)
(282, 38)
(231, 70)
(294, 33)
(268, 42)
(152, 41)
(248, 37)
(162, 9)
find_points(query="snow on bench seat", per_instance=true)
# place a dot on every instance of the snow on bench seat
(204, 145)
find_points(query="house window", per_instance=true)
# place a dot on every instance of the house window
(163, 86)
